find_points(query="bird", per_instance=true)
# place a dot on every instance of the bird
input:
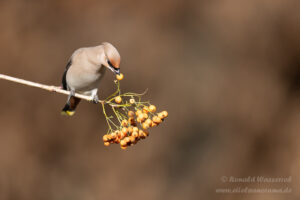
(84, 71)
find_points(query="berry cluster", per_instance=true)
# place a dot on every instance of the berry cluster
(129, 132)
(134, 116)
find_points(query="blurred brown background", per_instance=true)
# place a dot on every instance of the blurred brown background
(227, 71)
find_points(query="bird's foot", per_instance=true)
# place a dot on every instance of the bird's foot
(95, 99)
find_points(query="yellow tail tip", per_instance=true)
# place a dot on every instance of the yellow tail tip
(68, 113)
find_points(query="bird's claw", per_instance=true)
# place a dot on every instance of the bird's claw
(95, 99)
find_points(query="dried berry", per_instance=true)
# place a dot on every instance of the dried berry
(132, 101)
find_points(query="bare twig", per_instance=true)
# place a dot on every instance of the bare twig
(45, 87)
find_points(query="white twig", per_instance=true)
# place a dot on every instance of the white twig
(45, 87)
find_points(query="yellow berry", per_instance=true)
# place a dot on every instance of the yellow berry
(120, 76)
(118, 99)
(152, 108)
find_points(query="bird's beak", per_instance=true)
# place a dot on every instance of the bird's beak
(113, 69)
(117, 71)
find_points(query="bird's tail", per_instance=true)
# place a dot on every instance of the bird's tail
(70, 106)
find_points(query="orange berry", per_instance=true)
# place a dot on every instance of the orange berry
(125, 130)
(156, 120)
(141, 134)
(145, 109)
(146, 133)
(153, 124)
(114, 135)
(148, 121)
(120, 76)
(105, 138)
(127, 140)
(130, 113)
(145, 126)
(123, 143)
(135, 134)
(131, 121)
(132, 139)
(123, 135)
(130, 129)
(124, 123)
(120, 134)
(165, 113)
(118, 99)
(141, 116)
(138, 112)
(152, 108)
(145, 115)
(117, 141)
(131, 101)
(135, 129)
(106, 144)
(123, 147)
(160, 115)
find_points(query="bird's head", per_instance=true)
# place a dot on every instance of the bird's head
(112, 58)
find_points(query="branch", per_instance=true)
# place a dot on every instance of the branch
(46, 87)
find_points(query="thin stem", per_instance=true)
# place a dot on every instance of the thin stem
(103, 108)
(116, 114)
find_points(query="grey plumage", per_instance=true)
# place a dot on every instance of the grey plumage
(85, 70)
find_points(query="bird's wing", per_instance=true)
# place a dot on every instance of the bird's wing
(64, 78)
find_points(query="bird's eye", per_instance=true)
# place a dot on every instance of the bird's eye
(108, 61)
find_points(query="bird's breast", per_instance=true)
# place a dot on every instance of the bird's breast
(84, 78)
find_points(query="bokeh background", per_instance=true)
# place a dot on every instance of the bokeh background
(227, 71)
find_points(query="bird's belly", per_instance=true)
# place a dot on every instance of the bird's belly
(83, 82)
